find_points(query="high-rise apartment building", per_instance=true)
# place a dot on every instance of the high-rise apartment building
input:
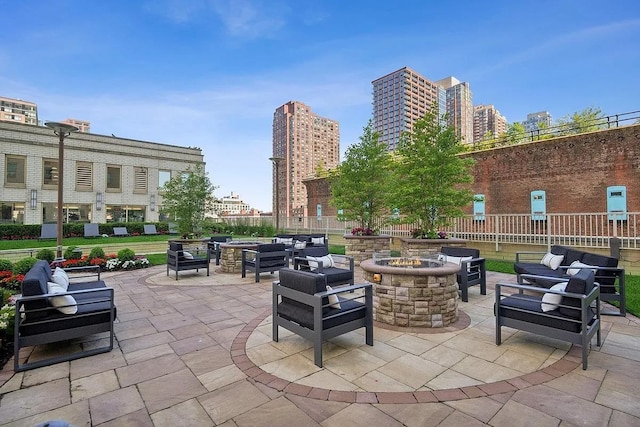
(399, 100)
(487, 122)
(18, 111)
(82, 125)
(534, 120)
(306, 142)
(459, 107)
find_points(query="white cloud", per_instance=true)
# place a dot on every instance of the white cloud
(251, 18)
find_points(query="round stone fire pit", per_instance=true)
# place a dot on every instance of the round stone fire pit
(413, 291)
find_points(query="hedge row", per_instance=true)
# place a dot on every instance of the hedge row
(74, 229)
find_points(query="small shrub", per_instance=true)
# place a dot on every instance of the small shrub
(71, 253)
(24, 265)
(96, 252)
(6, 265)
(46, 254)
(126, 255)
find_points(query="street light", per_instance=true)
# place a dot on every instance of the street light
(62, 130)
(277, 161)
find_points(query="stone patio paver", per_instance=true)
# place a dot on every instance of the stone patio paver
(168, 390)
(115, 404)
(195, 352)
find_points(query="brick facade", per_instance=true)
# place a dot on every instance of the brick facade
(574, 171)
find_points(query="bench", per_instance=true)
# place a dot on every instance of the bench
(568, 311)
(150, 229)
(45, 313)
(180, 260)
(562, 262)
(120, 232)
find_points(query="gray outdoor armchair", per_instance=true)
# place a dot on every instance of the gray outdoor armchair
(268, 257)
(301, 304)
(569, 312)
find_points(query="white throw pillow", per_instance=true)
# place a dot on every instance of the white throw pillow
(65, 304)
(457, 260)
(317, 240)
(326, 261)
(300, 244)
(574, 271)
(60, 277)
(285, 240)
(333, 299)
(552, 261)
(187, 255)
(551, 301)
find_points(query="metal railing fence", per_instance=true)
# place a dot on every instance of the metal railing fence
(597, 124)
(572, 229)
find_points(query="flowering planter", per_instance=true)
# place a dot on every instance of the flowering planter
(363, 247)
(418, 247)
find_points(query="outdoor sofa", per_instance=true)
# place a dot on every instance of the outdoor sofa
(561, 262)
(48, 313)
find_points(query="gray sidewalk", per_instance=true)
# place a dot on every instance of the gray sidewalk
(198, 352)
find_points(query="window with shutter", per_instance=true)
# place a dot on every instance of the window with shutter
(84, 176)
(140, 180)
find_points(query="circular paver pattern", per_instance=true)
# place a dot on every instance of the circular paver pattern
(569, 362)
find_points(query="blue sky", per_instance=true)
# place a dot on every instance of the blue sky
(210, 73)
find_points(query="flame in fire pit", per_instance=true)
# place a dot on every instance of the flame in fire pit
(405, 262)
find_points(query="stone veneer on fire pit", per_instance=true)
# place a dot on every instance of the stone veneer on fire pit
(413, 297)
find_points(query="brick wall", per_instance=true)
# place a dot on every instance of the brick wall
(574, 171)
(319, 193)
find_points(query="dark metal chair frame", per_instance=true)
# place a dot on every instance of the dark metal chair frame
(177, 262)
(550, 324)
(317, 303)
(260, 261)
(472, 272)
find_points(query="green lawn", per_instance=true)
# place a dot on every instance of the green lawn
(79, 241)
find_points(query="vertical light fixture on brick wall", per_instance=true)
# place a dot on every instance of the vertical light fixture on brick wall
(62, 130)
(98, 201)
(152, 202)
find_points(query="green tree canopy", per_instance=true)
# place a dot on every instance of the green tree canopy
(587, 120)
(187, 197)
(515, 134)
(428, 175)
(360, 184)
